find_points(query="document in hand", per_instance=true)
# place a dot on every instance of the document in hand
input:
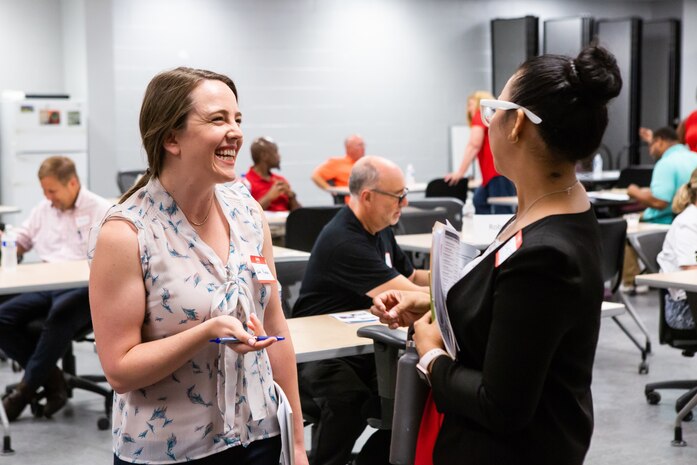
(285, 421)
(449, 256)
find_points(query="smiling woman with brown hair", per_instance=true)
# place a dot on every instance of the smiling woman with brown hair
(182, 260)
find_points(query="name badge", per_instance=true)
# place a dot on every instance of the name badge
(262, 270)
(388, 260)
(508, 248)
(81, 221)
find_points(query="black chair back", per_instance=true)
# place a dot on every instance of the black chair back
(440, 188)
(451, 205)
(636, 174)
(126, 179)
(304, 225)
(647, 246)
(418, 221)
(290, 274)
(613, 232)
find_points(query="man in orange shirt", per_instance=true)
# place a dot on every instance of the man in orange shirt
(335, 172)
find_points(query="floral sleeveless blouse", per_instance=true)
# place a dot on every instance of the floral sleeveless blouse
(219, 398)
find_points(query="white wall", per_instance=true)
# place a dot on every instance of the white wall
(309, 72)
(31, 40)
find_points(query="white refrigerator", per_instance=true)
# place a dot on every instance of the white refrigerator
(31, 130)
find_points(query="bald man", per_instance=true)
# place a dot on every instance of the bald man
(336, 170)
(354, 259)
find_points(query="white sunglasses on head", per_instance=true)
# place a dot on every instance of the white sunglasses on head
(488, 109)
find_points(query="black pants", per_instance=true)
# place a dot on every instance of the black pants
(345, 389)
(260, 452)
(66, 312)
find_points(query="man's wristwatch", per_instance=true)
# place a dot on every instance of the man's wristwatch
(425, 362)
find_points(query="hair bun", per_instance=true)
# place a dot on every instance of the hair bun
(598, 74)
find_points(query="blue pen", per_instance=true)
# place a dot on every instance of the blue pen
(234, 340)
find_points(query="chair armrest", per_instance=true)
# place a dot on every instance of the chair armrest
(384, 335)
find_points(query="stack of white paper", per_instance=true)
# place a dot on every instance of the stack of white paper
(448, 257)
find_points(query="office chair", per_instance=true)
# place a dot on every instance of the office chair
(304, 225)
(89, 383)
(451, 205)
(647, 246)
(290, 273)
(388, 346)
(418, 221)
(126, 179)
(687, 401)
(613, 233)
(440, 188)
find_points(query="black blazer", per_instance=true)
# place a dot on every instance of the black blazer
(519, 391)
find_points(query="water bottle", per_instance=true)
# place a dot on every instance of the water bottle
(9, 249)
(468, 215)
(410, 397)
(409, 178)
(597, 166)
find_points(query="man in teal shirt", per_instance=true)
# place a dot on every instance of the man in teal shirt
(674, 164)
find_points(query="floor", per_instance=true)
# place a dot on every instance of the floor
(627, 431)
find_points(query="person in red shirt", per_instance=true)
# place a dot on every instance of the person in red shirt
(493, 184)
(271, 190)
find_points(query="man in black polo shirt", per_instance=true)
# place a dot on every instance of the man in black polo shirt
(354, 259)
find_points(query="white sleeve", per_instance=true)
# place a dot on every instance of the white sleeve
(686, 244)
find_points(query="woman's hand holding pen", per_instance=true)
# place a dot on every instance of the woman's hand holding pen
(400, 308)
(229, 326)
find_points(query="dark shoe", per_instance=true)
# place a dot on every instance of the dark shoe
(55, 391)
(15, 402)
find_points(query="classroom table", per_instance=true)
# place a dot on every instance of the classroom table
(416, 188)
(602, 198)
(7, 209)
(590, 180)
(33, 277)
(323, 336)
(686, 279)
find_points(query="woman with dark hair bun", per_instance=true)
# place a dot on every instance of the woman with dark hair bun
(526, 313)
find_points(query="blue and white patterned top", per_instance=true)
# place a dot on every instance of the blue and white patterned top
(219, 398)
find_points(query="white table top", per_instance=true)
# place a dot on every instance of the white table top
(283, 253)
(605, 176)
(607, 194)
(276, 218)
(9, 209)
(32, 277)
(323, 336)
(479, 233)
(686, 280)
(416, 188)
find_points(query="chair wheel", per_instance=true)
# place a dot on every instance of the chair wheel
(103, 424)
(653, 397)
(643, 368)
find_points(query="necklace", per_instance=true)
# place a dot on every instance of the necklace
(518, 219)
(210, 207)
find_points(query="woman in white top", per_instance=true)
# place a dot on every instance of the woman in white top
(178, 262)
(680, 252)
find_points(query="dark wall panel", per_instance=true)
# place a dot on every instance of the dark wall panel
(567, 36)
(512, 42)
(622, 37)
